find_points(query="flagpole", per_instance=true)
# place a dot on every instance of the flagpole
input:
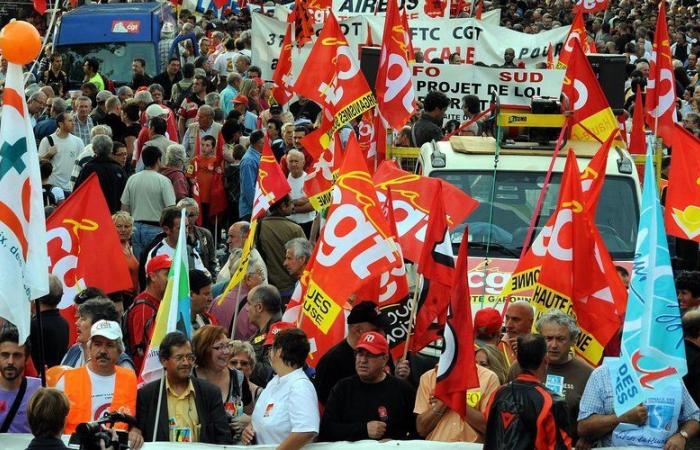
(414, 311)
(235, 311)
(42, 354)
(46, 37)
(160, 399)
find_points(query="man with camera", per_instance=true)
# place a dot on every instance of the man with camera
(100, 387)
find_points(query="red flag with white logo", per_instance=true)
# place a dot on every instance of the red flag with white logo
(661, 84)
(577, 32)
(282, 77)
(591, 6)
(682, 209)
(456, 371)
(271, 185)
(394, 84)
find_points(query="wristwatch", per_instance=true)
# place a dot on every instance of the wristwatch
(684, 434)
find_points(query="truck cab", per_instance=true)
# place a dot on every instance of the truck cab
(114, 34)
(498, 227)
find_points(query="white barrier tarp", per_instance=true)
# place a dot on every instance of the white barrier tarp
(475, 41)
(20, 442)
(514, 87)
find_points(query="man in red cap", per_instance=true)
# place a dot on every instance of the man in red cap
(250, 119)
(140, 316)
(371, 404)
(487, 326)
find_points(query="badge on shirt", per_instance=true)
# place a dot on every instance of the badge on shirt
(473, 397)
(268, 409)
(259, 339)
(555, 383)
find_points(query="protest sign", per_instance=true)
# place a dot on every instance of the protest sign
(473, 40)
(514, 87)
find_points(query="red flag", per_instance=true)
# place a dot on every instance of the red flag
(577, 248)
(413, 199)
(479, 9)
(437, 267)
(303, 22)
(372, 138)
(220, 3)
(592, 118)
(40, 6)
(318, 183)
(661, 84)
(81, 238)
(271, 185)
(394, 84)
(577, 32)
(638, 145)
(456, 371)
(550, 57)
(283, 72)
(591, 6)
(407, 33)
(682, 213)
(355, 244)
(340, 88)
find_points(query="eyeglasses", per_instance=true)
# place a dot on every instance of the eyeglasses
(226, 348)
(240, 362)
(180, 358)
(193, 215)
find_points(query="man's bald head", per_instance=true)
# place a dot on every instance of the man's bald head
(519, 318)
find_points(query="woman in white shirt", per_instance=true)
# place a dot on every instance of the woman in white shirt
(286, 414)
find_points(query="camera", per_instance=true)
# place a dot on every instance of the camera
(89, 435)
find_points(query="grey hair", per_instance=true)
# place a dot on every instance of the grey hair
(212, 100)
(175, 155)
(244, 347)
(37, 95)
(102, 145)
(98, 130)
(122, 90)
(232, 77)
(143, 96)
(58, 105)
(187, 202)
(559, 318)
(83, 98)
(300, 246)
(244, 226)
(256, 266)
(112, 102)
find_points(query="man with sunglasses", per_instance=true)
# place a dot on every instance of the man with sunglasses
(191, 408)
(371, 404)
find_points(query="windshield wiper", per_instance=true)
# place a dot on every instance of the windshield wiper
(495, 246)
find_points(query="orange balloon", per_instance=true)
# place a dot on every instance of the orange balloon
(20, 42)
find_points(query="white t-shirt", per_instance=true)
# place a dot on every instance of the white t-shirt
(287, 405)
(225, 63)
(68, 149)
(297, 185)
(102, 393)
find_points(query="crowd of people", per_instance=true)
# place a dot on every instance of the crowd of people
(191, 138)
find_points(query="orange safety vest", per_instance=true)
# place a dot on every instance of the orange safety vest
(78, 389)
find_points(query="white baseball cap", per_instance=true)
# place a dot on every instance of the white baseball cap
(155, 110)
(106, 328)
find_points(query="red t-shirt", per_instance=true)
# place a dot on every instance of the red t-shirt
(140, 321)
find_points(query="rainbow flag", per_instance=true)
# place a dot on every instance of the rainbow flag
(24, 260)
(174, 310)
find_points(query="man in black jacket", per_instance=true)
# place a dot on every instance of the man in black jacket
(429, 125)
(191, 409)
(109, 172)
(371, 404)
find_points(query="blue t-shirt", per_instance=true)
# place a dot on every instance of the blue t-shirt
(19, 424)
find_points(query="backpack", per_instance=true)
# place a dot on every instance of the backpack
(511, 427)
(132, 348)
(182, 94)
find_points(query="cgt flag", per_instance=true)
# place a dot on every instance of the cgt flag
(661, 91)
(174, 310)
(332, 78)
(591, 6)
(282, 77)
(652, 357)
(682, 212)
(394, 84)
(592, 118)
(355, 245)
(23, 256)
(80, 237)
(577, 33)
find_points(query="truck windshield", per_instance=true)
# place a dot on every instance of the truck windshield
(515, 199)
(115, 60)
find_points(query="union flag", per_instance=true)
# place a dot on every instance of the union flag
(682, 213)
(272, 185)
(577, 33)
(282, 77)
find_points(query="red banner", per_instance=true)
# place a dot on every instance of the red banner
(682, 211)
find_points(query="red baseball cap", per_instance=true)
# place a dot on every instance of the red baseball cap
(240, 98)
(157, 263)
(275, 328)
(374, 342)
(488, 318)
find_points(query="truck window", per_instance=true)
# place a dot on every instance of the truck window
(515, 198)
(115, 60)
